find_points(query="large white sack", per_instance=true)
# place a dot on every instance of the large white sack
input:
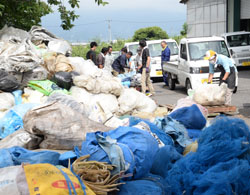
(84, 67)
(7, 101)
(99, 83)
(210, 95)
(98, 107)
(61, 122)
(132, 100)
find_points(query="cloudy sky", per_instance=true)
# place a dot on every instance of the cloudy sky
(126, 17)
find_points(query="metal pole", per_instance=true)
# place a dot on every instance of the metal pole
(109, 27)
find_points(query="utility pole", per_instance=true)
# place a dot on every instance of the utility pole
(109, 28)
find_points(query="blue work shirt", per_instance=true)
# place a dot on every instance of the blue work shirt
(165, 55)
(225, 61)
(120, 63)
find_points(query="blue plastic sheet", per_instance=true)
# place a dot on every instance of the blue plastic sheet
(138, 146)
(149, 185)
(18, 96)
(220, 165)
(191, 117)
(13, 119)
(18, 155)
(165, 138)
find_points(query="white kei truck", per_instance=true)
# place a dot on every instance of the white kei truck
(190, 69)
(155, 50)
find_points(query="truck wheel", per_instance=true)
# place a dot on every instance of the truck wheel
(171, 82)
(188, 85)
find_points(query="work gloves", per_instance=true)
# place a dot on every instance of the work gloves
(235, 90)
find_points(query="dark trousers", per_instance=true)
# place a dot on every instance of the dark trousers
(164, 75)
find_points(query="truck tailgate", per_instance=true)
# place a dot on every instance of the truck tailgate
(171, 67)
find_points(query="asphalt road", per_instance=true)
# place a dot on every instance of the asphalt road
(241, 99)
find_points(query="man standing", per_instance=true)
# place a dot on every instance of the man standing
(120, 63)
(165, 57)
(228, 72)
(144, 69)
(101, 58)
(138, 59)
(91, 55)
(109, 59)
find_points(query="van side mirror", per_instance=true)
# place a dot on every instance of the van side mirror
(231, 52)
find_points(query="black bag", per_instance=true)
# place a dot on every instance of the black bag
(8, 83)
(63, 79)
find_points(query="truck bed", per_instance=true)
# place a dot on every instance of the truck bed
(171, 67)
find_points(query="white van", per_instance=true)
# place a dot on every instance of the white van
(239, 46)
(191, 70)
(155, 50)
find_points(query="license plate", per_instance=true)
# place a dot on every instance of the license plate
(245, 63)
(158, 73)
(204, 81)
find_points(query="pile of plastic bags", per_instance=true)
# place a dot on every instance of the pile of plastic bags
(107, 137)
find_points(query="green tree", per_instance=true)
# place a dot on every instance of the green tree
(26, 13)
(150, 33)
(184, 29)
(81, 51)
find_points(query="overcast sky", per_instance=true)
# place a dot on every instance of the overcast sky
(126, 17)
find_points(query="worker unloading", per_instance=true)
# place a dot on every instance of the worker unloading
(228, 72)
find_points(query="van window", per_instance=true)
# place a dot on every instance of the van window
(133, 48)
(183, 51)
(155, 49)
(238, 40)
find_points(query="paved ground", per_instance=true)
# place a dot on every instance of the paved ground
(241, 99)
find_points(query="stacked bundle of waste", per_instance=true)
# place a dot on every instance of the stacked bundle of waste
(67, 127)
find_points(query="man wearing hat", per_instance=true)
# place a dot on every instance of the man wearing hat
(228, 72)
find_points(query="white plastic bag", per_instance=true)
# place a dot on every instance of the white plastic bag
(132, 100)
(102, 83)
(7, 101)
(98, 107)
(83, 67)
(210, 94)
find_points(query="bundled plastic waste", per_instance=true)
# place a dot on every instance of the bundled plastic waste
(62, 123)
(131, 100)
(128, 148)
(208, 95)
(191, 117)
(219, 166)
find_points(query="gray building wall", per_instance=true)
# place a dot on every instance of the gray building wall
(206, 17)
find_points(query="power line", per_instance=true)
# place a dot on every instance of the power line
(127, 21)
(121, 21)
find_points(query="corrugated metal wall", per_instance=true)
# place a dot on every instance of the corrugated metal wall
(206, 17)
(245, 9)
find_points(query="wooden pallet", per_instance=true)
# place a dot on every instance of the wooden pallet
(217, 110)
